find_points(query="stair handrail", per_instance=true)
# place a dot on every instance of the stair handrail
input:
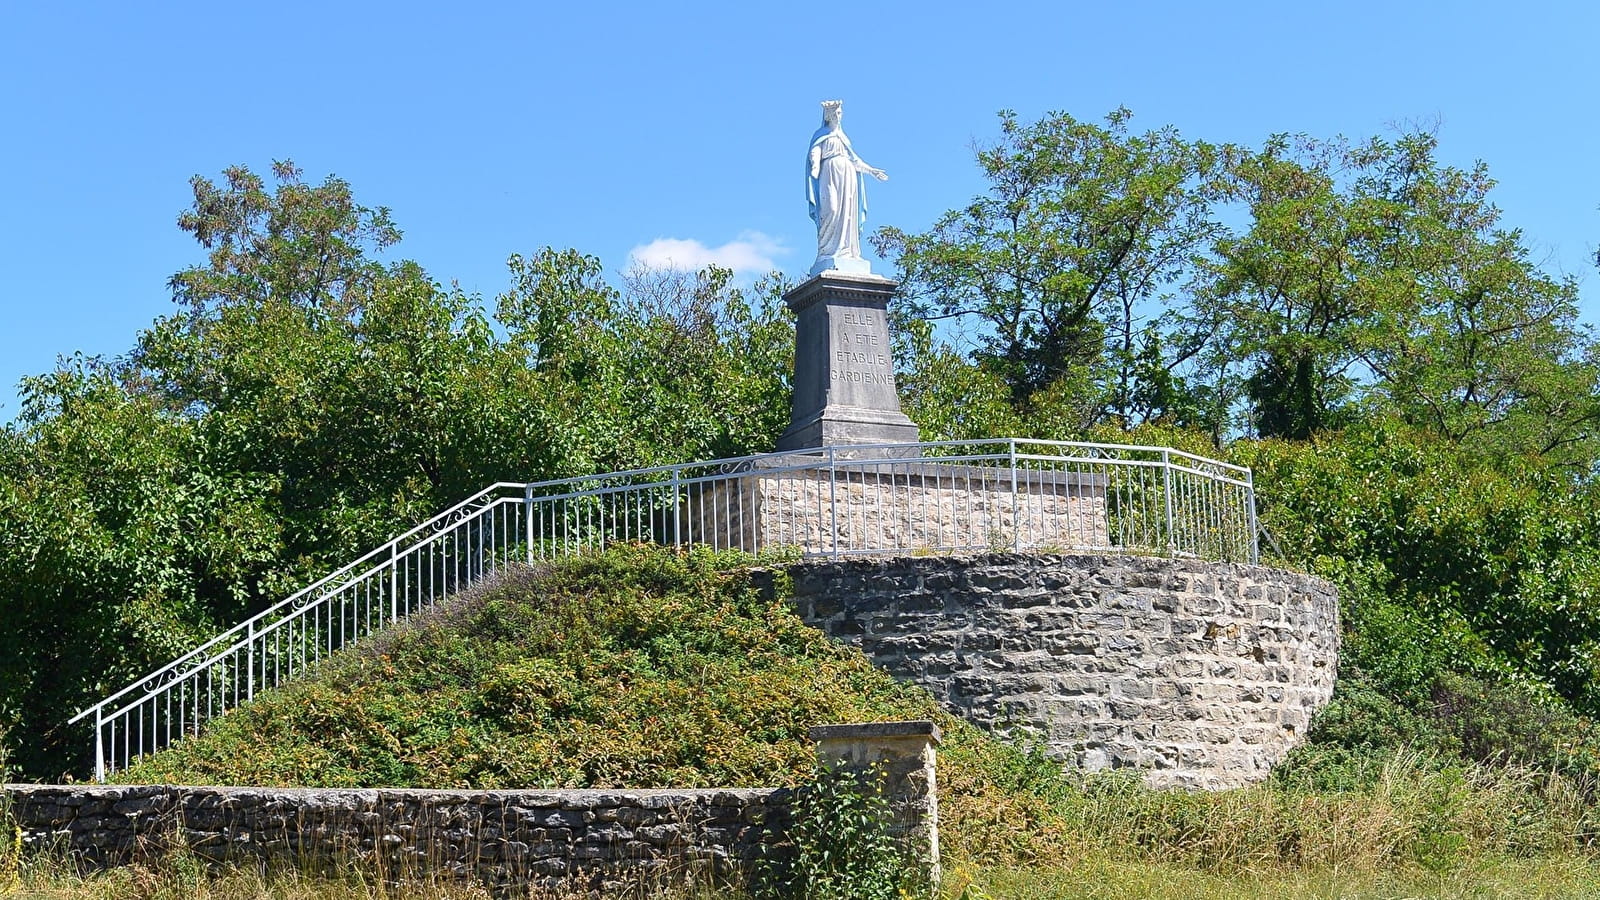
(297, 595)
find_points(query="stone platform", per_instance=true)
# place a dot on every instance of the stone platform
(886, 506)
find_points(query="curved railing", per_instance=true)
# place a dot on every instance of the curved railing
(936, 497)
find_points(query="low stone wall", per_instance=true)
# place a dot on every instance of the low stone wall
(1198, 674)
(510, 840)
(606, 842)
(911, 506)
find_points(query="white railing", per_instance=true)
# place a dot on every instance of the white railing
(892, 498)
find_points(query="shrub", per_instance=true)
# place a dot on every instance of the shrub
(842, 845)
(1511, 722)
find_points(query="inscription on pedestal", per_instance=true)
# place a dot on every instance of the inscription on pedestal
(844, 387)
(861, 354)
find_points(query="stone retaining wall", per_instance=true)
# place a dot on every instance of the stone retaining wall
(587, 841)
(1198, 674)
(510, 840)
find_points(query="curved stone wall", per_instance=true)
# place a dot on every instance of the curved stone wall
(1198, 674)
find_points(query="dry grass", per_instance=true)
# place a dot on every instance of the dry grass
(1097, 876)
(184, 877)
(1091, 876)
(1411, 811)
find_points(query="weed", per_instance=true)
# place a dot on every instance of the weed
(843, 845)
(10, 831)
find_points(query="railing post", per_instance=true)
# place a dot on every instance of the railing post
(480, 517)
(527, 518)
(250, 659)
(99, 747)
(677, 510)
(1016, 508)
(394, 583)
(1166, 486)
(1255, 527)
(833, 499)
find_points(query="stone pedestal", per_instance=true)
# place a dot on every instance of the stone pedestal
(904, 755)
(844, 386)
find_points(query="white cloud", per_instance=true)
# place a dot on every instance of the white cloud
(751, 253)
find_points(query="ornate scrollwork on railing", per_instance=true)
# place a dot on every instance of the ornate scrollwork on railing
(453, 518)
(155, 682)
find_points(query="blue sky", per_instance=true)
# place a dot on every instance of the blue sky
(490, 129)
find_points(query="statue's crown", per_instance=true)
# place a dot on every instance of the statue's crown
(832, 104)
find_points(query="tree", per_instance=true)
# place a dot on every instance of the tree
(1286, 295)
(673, 367)
(1445, 561)
(304, 245)
(1371, 274)
(354, 385)
(121, 544)
(1491, 355)
(1083, 228)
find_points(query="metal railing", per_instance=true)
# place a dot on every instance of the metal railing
(950, 496)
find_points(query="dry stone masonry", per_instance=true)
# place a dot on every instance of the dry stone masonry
(509, 840)
(1197, 674)
(592, 841)
(904, 755)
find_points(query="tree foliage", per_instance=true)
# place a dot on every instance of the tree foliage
(1351, 318)
(121, 546)
(306, 400)
(1446, 562)
(1083, 226)
(1279, 292)
(1373, 275)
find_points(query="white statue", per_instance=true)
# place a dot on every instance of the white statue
(837, 195)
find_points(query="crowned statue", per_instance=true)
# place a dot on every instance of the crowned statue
(837, 195)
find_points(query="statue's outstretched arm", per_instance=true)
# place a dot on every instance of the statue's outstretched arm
(863, 166)
(879, 174)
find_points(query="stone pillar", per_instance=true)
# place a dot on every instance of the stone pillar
(844, 387)
(904, 754)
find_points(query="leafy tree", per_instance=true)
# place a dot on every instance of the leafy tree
(1287, 295)
(307, 401)
(672, 367)
(1446, 563)
(709, 362)
(1370, 273)
(121, 545)
(949, 397)
(1489, 352)
(1084, 226)
(299, 244)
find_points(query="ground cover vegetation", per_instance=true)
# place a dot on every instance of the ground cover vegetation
(1352, 318)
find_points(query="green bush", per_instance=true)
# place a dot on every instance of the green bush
(1509, 721)
(638, 667)
(1446, 563)
(842, 845)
